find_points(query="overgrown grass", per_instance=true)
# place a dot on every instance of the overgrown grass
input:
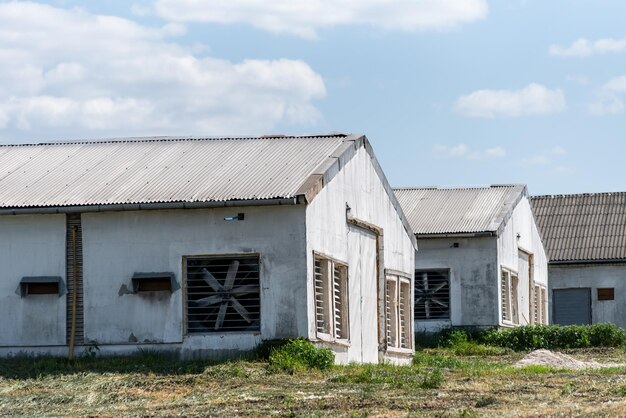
(387, 375)
(533, 337)
(298, 355)
(459, 342)
(485, 342)
(24, 367)
(438, 383)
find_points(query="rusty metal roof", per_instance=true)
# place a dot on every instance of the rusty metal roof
(161, 170)
(582, 227)
(449, 211)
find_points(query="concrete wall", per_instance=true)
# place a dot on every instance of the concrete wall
(475, 270)
(594, 276)
(473, 279)
(117, 244)
(522, 224)
(31, 246)
(359, 186)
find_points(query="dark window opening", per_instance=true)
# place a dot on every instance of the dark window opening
(432, 294)
(606, 293)
(153, 282)
(223, 294)
(44, 285)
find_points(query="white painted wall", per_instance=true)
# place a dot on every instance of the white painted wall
(594, 276)
(118, 244)
(31, 246)
(522, 222)
(359, 186)
(473, 279)
(475, 270)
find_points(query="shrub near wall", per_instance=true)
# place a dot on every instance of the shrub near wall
(532, 337)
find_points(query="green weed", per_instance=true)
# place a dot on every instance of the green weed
(299, 355)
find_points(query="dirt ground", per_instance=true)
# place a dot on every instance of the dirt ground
(439, 384)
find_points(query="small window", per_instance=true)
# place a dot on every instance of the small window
(223, 294)
(509, 297)
(432, 295)
(331, 299)
(398, 315)
(606, 293)
(41, 285)
(153, 282)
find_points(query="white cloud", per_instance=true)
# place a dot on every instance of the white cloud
(74, 69)
(609, 98)
(464, 151)
(582, 48)
(579, 79)
(545, 157)
(533, 99)
(304, 17)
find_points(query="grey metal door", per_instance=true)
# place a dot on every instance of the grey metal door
(571, 306)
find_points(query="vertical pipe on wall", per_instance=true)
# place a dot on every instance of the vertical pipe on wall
(74, 295)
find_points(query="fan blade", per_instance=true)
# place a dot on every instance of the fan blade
(212, 281)
(231, 274)
(438, 288)
(445, 305)
(242, 311)
(220, 316)
(242, 290)
(418, 300)
(210, 300)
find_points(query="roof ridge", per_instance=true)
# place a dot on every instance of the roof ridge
(576, 195)
(486, 187)
(168, 138)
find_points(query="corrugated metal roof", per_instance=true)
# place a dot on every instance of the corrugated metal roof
(433, 211)
(160, 170)
(582, 227)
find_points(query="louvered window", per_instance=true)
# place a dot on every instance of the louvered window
(222, 294)
(398, 312)
(544, 306)
(538, 305)
(535, 306)
(331, 299)
(509, 297)
(432, 295)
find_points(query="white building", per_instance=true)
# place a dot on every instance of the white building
(481, 261)
(204, 247)
(585, 237)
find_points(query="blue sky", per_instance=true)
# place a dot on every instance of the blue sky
(449, 92)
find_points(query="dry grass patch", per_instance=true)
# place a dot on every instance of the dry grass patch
(439, 384)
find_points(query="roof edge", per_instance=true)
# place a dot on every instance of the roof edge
(479, 234)
(517, 194)
(491, 186)
(556, 196)
(168, 138)
(32, 210)
(392, 196)
(584, 261)
(329, 168)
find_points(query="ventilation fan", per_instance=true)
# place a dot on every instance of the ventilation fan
(432, 295)
(224, 295)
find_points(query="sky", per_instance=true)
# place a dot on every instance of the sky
(449, 92)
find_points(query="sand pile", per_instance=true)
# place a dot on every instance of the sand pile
(559, 361)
